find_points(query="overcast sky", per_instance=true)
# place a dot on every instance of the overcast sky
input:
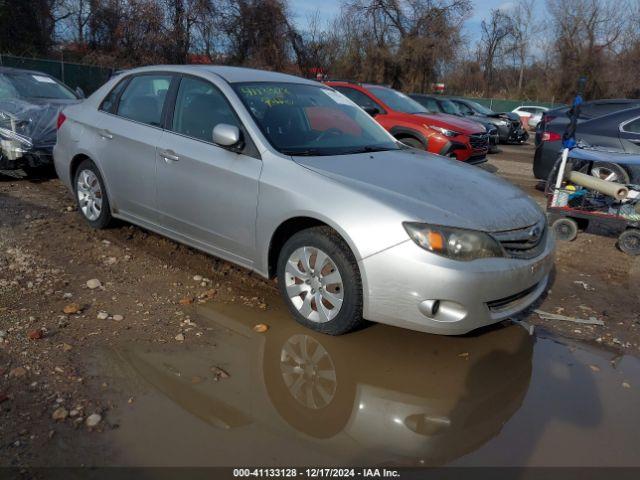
(303, 9)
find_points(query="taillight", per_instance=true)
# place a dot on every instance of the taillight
(61, 118)
(551, 137)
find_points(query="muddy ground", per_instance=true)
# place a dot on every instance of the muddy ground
(71, 296)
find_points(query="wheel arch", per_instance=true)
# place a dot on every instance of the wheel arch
(404, 132)
(290, 227)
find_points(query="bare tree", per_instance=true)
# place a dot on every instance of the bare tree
(496, 35)
(586, 33)
(525, 28)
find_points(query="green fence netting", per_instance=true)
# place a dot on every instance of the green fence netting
(87, 77)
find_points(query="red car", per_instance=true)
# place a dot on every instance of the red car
(412, 124)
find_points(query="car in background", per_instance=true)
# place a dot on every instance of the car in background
(530, 115)
(559, 118)
(292, 180)
(618, 131)
(29, 106)
(510, 129)
(415, 126)
(437, 104)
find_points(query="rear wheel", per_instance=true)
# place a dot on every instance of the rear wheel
(319, 279)
(91, 195)
(611, 172)
(629, 242)
(566, 229)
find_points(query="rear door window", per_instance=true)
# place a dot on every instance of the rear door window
(143, 99)
(109, 102)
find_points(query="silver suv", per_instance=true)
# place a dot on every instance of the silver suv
(290, 179)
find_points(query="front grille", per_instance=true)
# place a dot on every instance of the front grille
(526, 242)
(506, 302)
(479, 141)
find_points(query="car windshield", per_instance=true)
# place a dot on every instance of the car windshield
(480, 108)
(396, 100)
(300, 119)
(37, 85)
(449, 107)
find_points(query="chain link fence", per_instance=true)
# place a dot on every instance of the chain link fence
(87, 77)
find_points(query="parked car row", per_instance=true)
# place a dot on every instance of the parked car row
(414, 125)
(291, 179)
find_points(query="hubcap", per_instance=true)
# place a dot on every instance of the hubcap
(314, 284)
(605, 173)
(89, 194)
(308, 371)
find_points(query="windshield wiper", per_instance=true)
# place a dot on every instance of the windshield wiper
(367, 149)
(309, 152)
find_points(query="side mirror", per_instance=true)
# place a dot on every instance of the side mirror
(226, 135)
(80, 92)
(373, 111)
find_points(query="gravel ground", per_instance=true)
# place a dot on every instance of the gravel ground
(66, 290)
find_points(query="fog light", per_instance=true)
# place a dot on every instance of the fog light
(442, 310)
(429, 307)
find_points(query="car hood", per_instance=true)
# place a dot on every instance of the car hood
(452, 122)
(32, 122)
(431, 188)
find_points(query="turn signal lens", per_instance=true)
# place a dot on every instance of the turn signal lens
(435, 240)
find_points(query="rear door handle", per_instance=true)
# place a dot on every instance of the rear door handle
(169, 155)
(106, 134)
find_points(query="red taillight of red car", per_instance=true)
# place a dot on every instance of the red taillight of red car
(551, 137)
(61, 118)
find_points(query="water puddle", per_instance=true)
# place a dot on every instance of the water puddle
(380, 396)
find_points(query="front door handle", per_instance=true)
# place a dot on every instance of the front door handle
(169, 155)
(106, 134)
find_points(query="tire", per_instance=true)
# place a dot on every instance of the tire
(336, 289)
(566, 229)
(611, 172)
(413, 143)
(629, 242)
(90, 194)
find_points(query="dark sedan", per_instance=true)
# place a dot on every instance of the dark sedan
(29, 105)
(618, 131)
(437, 104)
(509, 125)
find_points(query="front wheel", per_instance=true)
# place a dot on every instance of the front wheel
(320, 282)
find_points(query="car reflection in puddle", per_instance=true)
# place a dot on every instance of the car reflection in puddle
(293, 396)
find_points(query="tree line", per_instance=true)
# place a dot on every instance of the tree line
(527, 49)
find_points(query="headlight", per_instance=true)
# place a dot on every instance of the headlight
(444, 131)
(502, 123)
(454, 243)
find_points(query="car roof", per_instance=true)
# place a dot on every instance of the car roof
(229, 74)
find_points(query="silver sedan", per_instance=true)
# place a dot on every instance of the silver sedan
(290, 179)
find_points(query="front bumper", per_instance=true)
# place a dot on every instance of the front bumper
(399, 280)
(33, 159)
